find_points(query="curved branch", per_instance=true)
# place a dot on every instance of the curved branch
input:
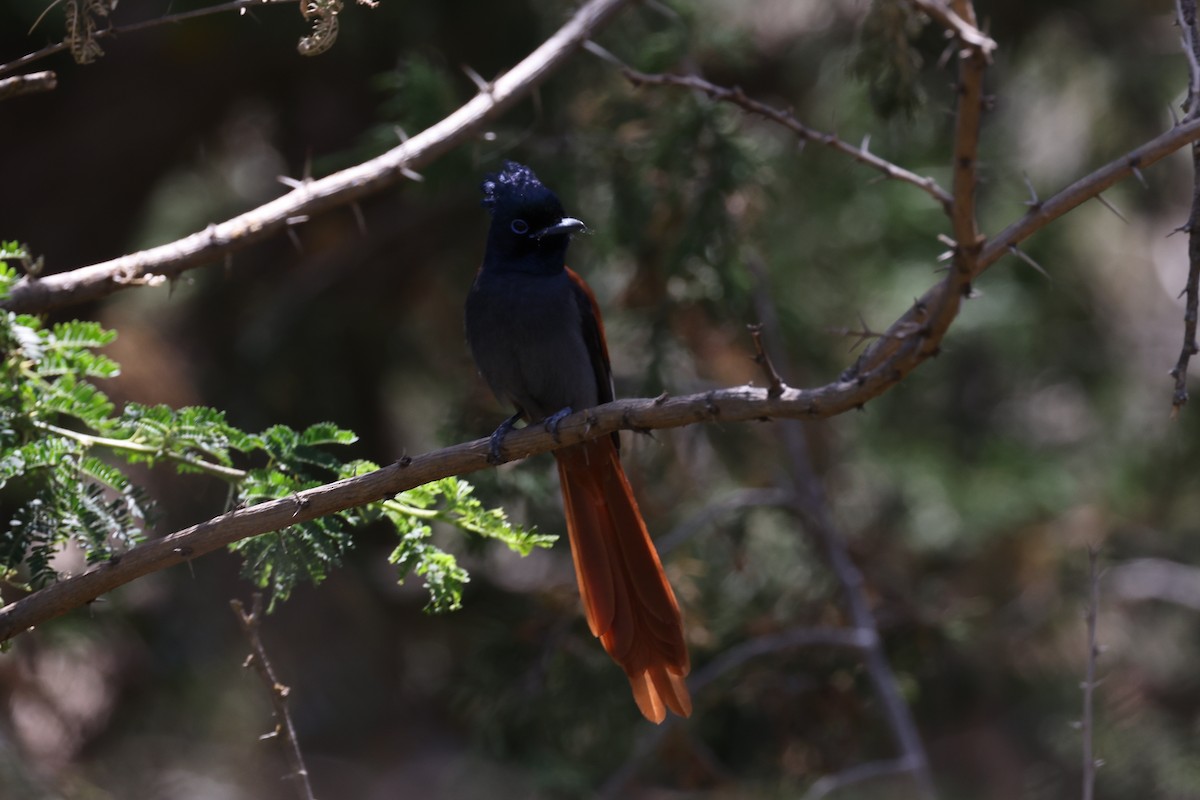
(785, 118)
(909, 341)
(316, 196)
(33, 82)
(739, 403)
(1041, 214)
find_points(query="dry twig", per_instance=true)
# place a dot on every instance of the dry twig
(33, 82)
(739, 98)
(277, 691)
(1190, 26)
(955, 25)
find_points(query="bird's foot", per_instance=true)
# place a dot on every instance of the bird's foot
(497, 439)
(552, 422)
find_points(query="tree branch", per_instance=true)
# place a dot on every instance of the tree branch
(1190, 26)
(18, 85)
(968, 121)
(737, 97)
(278, 692)
(955, 25)
(740, 403)
(898, 338)
(316, 196)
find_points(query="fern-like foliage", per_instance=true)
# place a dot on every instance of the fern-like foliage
(887, 59)
(63, 443)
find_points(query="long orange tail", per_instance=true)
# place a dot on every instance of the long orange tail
(629, 603)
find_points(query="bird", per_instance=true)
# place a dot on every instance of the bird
(536, 335)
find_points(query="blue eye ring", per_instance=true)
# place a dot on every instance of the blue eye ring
(519, 226)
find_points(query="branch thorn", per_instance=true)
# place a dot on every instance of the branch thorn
(1111, 207)
(1016, 251)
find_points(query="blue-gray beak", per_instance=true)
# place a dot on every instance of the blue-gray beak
(566, 225)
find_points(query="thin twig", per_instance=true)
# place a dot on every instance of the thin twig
(737, 97)
(332, 191)
(1190, 26)
(18, 85)
(955, 25)
(49, 50)
(1086, 724)
(87, 440)
(1185, 11)
(277, 691)
(775, 384)
(968, 122)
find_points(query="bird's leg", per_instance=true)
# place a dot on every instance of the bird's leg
(497, 438)
(551, 422)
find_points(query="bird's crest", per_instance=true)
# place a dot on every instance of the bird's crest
(515, 180)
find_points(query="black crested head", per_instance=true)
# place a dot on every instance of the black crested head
(530, 230)
(516, 183)
(516, 190)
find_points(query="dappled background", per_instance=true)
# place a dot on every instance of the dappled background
(968, 495)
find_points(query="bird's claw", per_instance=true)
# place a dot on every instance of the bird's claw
(552, 422)
(496, 440)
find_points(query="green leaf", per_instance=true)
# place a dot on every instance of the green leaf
(80, 400)
(327, 433)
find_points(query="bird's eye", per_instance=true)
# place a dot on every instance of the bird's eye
(520, 227)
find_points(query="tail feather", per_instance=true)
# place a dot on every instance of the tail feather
(629, 603)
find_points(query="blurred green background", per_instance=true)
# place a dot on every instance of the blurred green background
(968, 495)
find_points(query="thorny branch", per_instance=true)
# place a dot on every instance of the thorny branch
(741, 403)
(1190, 27)
(910, 340)
(918, 324)
(916, 335)
(315, 196)
(277, 691)
(739, 98)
